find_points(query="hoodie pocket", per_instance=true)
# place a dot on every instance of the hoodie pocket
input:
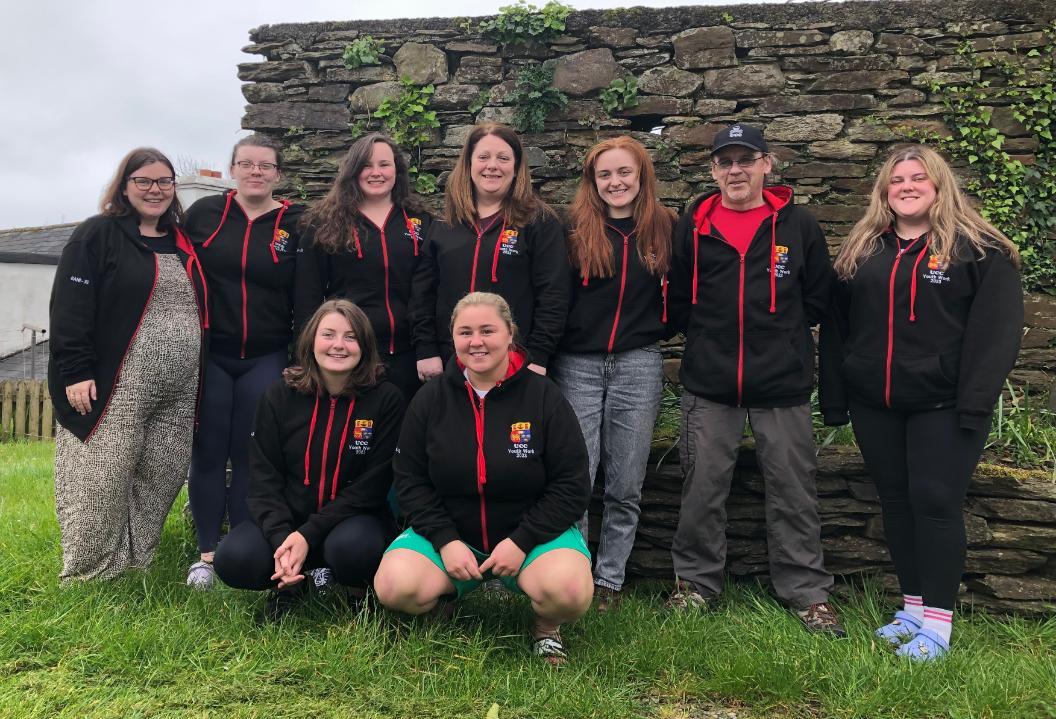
(920, 379)
(773, 365)
(709, 364)
(864, 375)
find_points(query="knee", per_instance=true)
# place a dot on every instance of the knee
(353, 560)
(568, 594)
(399, 590)
(934, 503)
(243, 559)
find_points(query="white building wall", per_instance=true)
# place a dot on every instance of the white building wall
(24, 297)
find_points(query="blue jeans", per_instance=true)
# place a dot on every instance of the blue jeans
(616, 398)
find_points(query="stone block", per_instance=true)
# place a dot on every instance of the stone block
(1020, 588)
(255, 92)
(816, 103)
(457, 135)
(476, 70)
(454, 97)
(367, 98)
(853, 549)
(585, 72)
(1003, 561)
(1014, 510)
(904, 45)
(714, 106)
(907, 98)
(996, 481)
(1002, 119)
(501, 114)
(837, 213)
(646, 61)
(704, 47)
(857, 80)
(824, 64)
(745, 81)
(424, 64)
(283, 115)
(1024, 536)
(851, 42)
(779, 38)
(859, 130)
(472, 47)
(804, 128)
(842, 150)
(328, 93)
(669, 81)
(824, 170)
(1012, 41)
(362, 75)
(617, 37)
(271, 71)
(657, 105)
(695, 135)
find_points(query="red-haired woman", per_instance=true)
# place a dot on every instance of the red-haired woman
(608, 363)
(496, 236)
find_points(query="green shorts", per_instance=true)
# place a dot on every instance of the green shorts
(409, 539)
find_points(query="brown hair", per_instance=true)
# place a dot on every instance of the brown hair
(307, 378)
(955, 224)
(588, 247)
(460, 197)
(115, 199)
(258, 140)
(336, 215)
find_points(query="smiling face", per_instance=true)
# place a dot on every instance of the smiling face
(741, 185)
(336, 347)
(910, 192)
(617, 182)
(151, 205)
(254, 183)
(378, 176)
(482, 342)
(492, 169)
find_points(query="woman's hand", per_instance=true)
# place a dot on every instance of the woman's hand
(537, 368)
(289, 558)
(81, 395)
(459, 561)
(429, 367)
(505, 560)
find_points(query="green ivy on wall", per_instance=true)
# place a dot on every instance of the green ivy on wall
(409, 122)
(524, 23)
(535, 98)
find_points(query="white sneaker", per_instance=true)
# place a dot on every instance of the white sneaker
(201, 576)
(322, 580)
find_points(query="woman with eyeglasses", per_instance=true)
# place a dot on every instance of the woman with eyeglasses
(363, 241)
(247, 242)
(128, 322)
(496, 236)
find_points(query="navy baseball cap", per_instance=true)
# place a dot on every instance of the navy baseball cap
(743, 135)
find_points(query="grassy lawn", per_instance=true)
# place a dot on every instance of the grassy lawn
(146, 646)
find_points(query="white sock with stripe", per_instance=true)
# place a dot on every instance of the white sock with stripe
(939, 621)
(913, 605)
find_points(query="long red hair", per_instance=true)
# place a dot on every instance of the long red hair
(588, 247)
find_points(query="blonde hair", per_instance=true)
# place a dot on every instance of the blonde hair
(955, 223)
(487, 299)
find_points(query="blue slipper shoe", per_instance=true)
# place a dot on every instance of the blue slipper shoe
(925, 646)
(900, 630)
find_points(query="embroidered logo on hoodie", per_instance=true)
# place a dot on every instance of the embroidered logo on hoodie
(362, 432)
(417, 228)
(936, 273)
(508, 242)
(281, 241)
(781, 261)
(520, 437)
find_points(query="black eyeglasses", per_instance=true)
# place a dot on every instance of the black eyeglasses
(264, 166)
(145, 183)
(744, 163)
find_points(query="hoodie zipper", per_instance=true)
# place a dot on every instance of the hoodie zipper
(385, 265)
(740, 332)
(623, 286)
(891, 318)
(482, 468)
(245, 300)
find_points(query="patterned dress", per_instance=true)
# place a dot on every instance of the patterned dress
(113, 492)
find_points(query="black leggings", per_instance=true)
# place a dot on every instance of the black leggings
(922, 464)
(352, 549)
(229, 402)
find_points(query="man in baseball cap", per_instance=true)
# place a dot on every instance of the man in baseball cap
(751, 274)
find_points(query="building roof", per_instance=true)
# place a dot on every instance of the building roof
(20, 364)
(35, 245)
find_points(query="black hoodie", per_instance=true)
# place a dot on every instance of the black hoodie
(913, 333)
(747, 318)
(528, 266)
(315, 460)
(512, 464)
(103, 285)
(618, 313)
(375, 273)
(249, 265)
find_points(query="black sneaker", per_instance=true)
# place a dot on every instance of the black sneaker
(280, 602)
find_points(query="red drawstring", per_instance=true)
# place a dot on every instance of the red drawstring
(913, 284)
(326, 451)
(413, 232)
(495, 258)
(663, 290)
(311, 433)
(482, 467)
(696, 247)
(773, 263)
(275, 230)
(359, 247)
(223, 217)
(341, 448)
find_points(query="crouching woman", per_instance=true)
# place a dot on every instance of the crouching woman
(320, 462)
(491, 471)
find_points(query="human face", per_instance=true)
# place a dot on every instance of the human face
(910, 192)
(336, 346)
(617, 181)
(482, 342)
(741, 187)
(151, 205)
(255, 183)
(378, 176)
(492, 168)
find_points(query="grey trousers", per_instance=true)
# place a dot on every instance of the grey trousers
(711, 435)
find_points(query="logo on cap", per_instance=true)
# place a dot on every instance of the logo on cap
(736, 131)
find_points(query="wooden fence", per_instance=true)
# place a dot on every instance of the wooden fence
(25, 410)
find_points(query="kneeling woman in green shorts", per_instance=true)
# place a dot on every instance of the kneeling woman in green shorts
(491, 472)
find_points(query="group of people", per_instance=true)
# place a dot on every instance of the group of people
(456, 382)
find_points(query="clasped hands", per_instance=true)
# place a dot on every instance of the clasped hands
(289, 560)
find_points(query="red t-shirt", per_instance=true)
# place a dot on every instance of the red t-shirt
(738, 227)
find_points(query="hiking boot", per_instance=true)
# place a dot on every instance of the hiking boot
(606, 599)
(821, 618)
(686, 596)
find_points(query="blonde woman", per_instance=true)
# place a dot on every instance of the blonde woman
(924, 328)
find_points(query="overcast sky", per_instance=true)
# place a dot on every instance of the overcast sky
(84, 82)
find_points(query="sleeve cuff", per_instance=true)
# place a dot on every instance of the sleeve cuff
(311, 533)
(425, 351)
(277, 537)
(523, 539)
(835, 417)
(442, 537)
(975, 422)
(537, 356)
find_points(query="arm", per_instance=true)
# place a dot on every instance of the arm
(309, 280)
(991, 340)
(422, 306)
(832, 389)
(567, 492)
(367, 490)
(679, 289)
(817, 271)
(73, 304)
(267, 474)
(550, 288)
